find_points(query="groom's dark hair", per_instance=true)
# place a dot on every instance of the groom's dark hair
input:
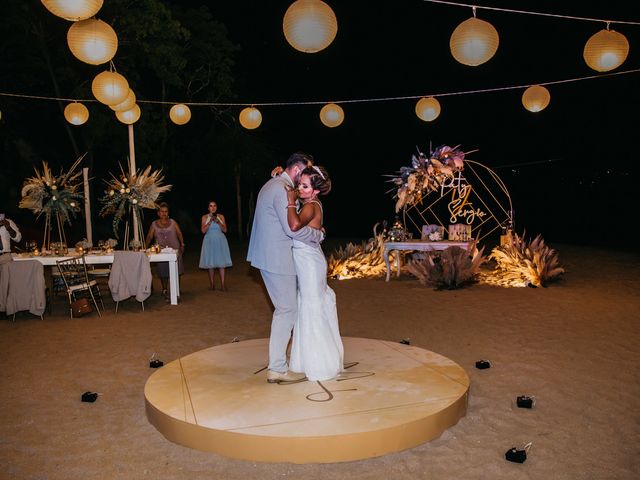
(299, 157)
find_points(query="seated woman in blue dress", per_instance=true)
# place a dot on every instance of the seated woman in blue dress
(215, 248)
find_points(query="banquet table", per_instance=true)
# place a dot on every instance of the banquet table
(416, 245)
(107, 258)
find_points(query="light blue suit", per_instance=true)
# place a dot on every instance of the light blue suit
(270, 250)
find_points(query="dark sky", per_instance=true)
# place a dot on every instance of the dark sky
(566, 167)
(570, 169)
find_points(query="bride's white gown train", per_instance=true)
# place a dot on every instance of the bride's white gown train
(316, 347)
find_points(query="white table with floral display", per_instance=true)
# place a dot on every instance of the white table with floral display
(107, 258)
(416, 245)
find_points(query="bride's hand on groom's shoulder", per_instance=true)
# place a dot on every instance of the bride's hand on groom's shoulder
(276, 171)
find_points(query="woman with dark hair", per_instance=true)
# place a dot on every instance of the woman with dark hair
(316, 348)
(167, 233)
(214, 254)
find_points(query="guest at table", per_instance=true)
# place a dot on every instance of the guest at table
(167, 233)
(214, 254)
(8, 231)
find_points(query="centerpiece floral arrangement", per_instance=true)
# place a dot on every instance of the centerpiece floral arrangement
(58, 197)
(426, 174)
(126, 195)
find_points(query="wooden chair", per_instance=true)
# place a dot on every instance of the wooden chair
(22, 287)
(130, 276)
(77, 284)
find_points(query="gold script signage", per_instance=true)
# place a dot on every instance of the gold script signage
(460, 207)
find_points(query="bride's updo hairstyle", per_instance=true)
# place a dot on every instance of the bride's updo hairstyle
(319, 179)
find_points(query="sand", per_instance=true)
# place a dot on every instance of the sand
(574, 346)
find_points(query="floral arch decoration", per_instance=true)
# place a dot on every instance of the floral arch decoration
(445, 188)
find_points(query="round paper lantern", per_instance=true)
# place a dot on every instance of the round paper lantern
(473, 42)
(73, 10)
(250, 118)
(309, 25)
(428, 109)
(92, 41)
(129, 116)
(76, 113)
(331, 115)
(110, 88)
(180, 114)
(606, 50)
(536, 98)
(126, 104)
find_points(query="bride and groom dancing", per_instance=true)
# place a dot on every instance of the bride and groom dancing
(285, 247)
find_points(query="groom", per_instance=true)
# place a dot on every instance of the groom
(270, 250)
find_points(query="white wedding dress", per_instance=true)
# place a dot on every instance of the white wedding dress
(317, 347)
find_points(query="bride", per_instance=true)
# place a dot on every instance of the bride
(316, 346)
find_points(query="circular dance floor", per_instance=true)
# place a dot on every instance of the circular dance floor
(390, 397)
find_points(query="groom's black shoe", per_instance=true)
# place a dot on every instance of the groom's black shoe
(285, 378)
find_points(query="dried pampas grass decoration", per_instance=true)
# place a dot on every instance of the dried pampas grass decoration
(453, 268)
(126, 195)
(522, 263)
(358, 261)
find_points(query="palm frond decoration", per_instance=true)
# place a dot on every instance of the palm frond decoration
(522, 263)
(426, 174)
(60, 196)
(452, 268)
(127, 194)
(358, 260)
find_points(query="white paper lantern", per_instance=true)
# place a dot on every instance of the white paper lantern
(129, 116)
(92, 41)
(331, 115)
(309, 25)
(428, 109)
(536, 98)
(250, 118)
(473, 42)
(606, 50)
(110, 88)
(180, 114)
(76, 113)
(73, 10)
(126, 104)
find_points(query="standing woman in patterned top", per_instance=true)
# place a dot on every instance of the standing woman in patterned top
(167, 233)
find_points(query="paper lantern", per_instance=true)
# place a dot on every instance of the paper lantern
(129, 116)
(92, 41)
(309, 25)
(180, 114)
(473, 42)
(428, 109)
(250, 118)
(110, 88)
(76, 113)
(73, 10)
(606, 50)
(331, 115)
(126, 104)
(536, 98)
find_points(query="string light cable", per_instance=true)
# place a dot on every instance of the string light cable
(346, 101)
(525, 12)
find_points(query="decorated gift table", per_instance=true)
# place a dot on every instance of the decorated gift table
(416, 245)
(107, 258)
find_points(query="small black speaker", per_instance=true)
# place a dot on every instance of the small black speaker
(482, 364)
(524, 402)
(156, 363)
(89, 397)
(515, 455)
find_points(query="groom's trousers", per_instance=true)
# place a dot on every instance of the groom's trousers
(284, 296)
